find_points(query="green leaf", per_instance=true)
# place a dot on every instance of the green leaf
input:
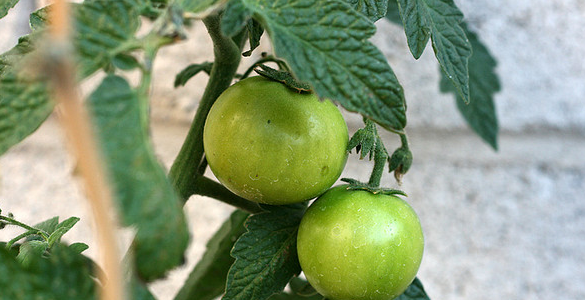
(235, 18)
(373, 9)
(255, 31)
(302, 287)
(266, 255)
(145, 197)
(325, 43)
(61, 229)
(101, 27)
(5, 6)
(393, 13)
(139, 290)
(200, 8)
(24, 100)
(24, 106)
(78, 247)
(63, 275)
(288, 296)
(207, 280)
(415, 291)
(480, 113)
(39, 18)
(15, 55)
(190, 71)
(440, 20)
(125, 62)
(30, 251)
(49, 226)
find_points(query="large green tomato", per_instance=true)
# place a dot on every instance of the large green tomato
(270, 144)
(359, 245)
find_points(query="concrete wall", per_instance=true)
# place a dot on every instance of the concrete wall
(506, 225)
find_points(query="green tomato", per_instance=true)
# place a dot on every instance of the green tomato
(353, 244)
(270, 144)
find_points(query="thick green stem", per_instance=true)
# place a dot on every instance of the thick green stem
(207, 187)
(184, 171)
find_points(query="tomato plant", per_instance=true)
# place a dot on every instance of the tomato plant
(353, 244)
(271, 144)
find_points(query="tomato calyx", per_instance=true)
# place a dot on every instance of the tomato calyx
(283, 77)
(368, 143)
(355, 185)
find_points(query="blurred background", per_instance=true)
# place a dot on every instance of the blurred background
(498, 225)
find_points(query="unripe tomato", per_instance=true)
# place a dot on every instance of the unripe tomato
(271, 144)
(359, 245)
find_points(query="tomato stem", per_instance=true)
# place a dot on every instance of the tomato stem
(380, 158)
(210, 188)
(184, 171)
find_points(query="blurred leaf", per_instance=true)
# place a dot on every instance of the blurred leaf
(440, 20)
(200, 8)
(266, 255)
(39, 18)
(30, 251)
(101, 27)
(415, 291)
(235, 17)
(78, 247)
(16, 54)
(144, 195)
(24, 101)
(125, 62)
(24, 106)
(5, 6)
(340, 64)
(139, 290)
(63, 275)
(480, 113)
(207, 280)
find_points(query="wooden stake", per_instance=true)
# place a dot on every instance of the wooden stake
(75, 121)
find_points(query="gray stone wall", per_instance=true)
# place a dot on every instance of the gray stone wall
(505, 225)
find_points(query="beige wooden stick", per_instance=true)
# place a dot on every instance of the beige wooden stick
(75, 121)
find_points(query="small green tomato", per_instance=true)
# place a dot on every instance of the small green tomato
(359, 245)
(270, 144)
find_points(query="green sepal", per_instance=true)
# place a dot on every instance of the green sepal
(283, 77)
(364, 140)
(355, 185)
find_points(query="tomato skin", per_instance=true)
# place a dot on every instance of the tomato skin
(359, 245)
(270, 144)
